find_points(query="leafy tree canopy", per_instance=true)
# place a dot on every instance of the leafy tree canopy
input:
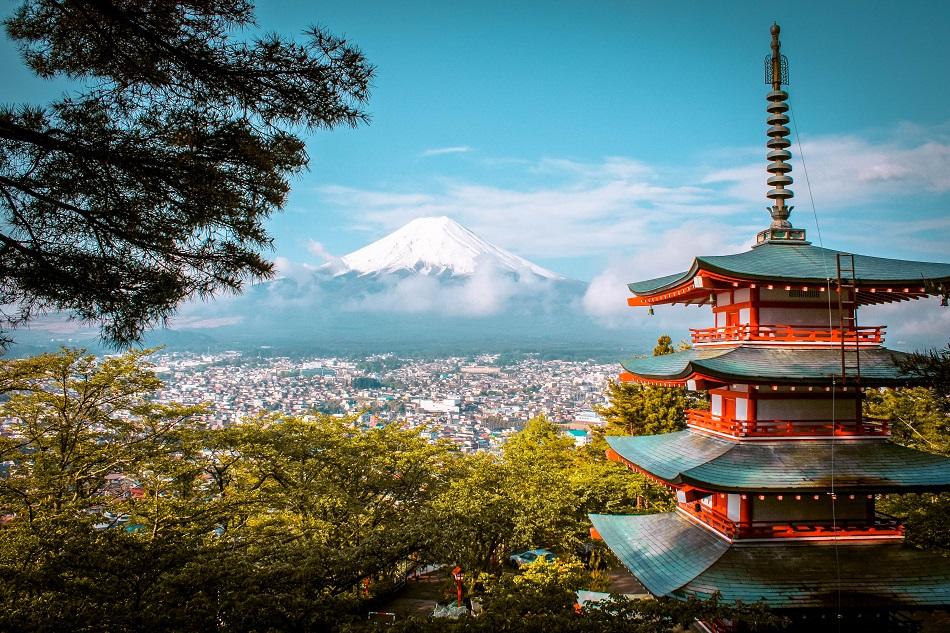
(537, 494)
(636, 409)
(920, 418)
(664, 346)
(150, 182)
(120, 513)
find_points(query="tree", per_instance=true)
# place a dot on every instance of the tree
(664, 346)
(919, 418)
(80, 547)
(150, 183)
(636, 409)
(538, 493)
(71, 422)
(121, 513)
(933, 369)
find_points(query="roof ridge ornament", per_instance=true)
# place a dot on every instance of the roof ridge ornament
(776, 74)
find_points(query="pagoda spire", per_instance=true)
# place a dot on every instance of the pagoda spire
(776, 73)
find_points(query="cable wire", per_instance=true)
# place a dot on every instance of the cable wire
(834, 405)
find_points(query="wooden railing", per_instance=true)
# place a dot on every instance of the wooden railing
(879, 525)
(786, 428)
(862, 335)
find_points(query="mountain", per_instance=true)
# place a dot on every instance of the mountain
(435, 246)
(430, 287)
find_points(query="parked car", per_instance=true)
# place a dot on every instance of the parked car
(525, 558)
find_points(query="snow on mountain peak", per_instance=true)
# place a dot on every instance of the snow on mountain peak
(433, 246)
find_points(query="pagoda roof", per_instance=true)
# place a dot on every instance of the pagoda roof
(712, 463)
(803, 263)
(673, 556)
(768, 365)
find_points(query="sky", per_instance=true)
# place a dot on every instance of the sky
(613, 141)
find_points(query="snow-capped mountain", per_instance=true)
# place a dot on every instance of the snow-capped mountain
(435, 246)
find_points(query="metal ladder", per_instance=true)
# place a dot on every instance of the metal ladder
(848, 320)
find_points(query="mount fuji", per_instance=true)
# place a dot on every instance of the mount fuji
(430, 287)
(435, 246)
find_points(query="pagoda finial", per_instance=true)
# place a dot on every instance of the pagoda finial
(776, 73)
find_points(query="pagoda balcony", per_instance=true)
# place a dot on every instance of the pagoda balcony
(879, 526)
(702, 419)
(789, 334)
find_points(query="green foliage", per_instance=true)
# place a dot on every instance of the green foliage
(152, 180)
(637, 409)
(272, 523)
(926, 518)
(916, 417)
(72, 422)
(537, 494)
(664, 346)
(919, 418)
(933, 369)
(366, 382)
(542, 588)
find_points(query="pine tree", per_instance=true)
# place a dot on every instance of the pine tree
(150, 182)
(637, 409)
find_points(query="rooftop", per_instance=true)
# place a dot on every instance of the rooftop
(672, 556)
(711, 463)
(768, 365)
(802, 263)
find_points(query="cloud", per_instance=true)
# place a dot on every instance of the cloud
(849, 170)
(641, 220)
(439, 151)
(61, 324)
(487, 292)
(287, 269)
(316, 248)
(331, 262)
(555, 207)
(668, 252)
(199, 323)
(599, 208)
(912, 325)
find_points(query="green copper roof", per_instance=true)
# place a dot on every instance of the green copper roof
(672, 556)
(770, 365)
(800, 263)
(663, 554)
(687, 457)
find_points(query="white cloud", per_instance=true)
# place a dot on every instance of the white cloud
(316, 248)
(649, 220)
(666, 253)
(913, 325)
(439, 151)
(601, 208)
(848, 170)
(287, 269)
(487, 292)
(196, 323)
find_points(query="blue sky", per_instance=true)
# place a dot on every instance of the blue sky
(613, 140)
(584, 132)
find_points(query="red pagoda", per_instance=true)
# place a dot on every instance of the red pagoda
(777, 482)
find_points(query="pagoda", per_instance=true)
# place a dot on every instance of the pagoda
(776, 484)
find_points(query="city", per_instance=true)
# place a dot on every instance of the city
(474, 402)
